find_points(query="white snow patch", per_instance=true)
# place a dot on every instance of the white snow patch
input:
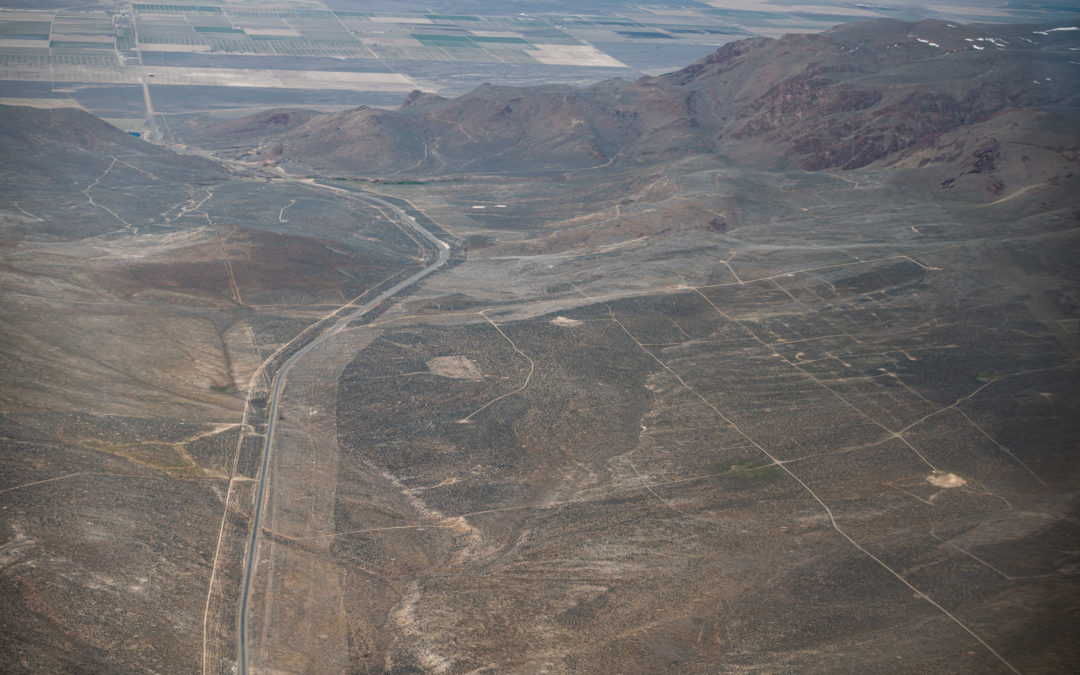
(1054, 30)
(980, 48)
(927, 42)
(479, 206)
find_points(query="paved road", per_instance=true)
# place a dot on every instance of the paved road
(278, 385)
(151, 123)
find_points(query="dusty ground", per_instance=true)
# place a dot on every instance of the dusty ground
(805, 441)
(143, 293)
(690, 419)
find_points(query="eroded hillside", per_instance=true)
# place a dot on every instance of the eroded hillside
(765, 364)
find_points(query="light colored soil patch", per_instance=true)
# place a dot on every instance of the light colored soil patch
(389, 41)
(497, 33)
(127, 124)
(173, 48)
(457, 367)
(10, 42)
(299, 79)
(399, 19)
(277, 32)
(69, 37)
(42, 102)
(322, 79)
(945, 480)
(215, 77)
(565, 322)
(573, 55)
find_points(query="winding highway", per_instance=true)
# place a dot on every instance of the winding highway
(277, 385)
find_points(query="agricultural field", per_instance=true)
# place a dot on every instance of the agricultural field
(232, 58)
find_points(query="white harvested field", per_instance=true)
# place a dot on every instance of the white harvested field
(274, 32)
(572, 55)
(498, 33)
(173, 48)
(399, 19)
(215, 77)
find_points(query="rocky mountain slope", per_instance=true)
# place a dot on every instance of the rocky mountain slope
(862, 94)
(667, 414)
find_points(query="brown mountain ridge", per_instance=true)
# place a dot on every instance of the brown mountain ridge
(862, 94)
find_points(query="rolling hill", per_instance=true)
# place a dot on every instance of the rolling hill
(864, 94)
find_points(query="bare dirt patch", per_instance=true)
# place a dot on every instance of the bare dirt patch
(565, 322)
(457, 367)
(946, 480)
(573, 55)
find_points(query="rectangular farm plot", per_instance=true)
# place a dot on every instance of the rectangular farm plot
(451, 41)
(317, 27)
(96, 69)
(218, 29)
(400, 19)
(161, 31)
(468, 41)
(172, 47)
(101, 26)
(313, 79)
(24, 30)
(7, 15)
(42, 102)
(291, 79)
(386, 50)
(498, 34)
(78, 69)
(148, 8)
(81, 44)
(87, 39)
(272, 32)
(452, 17)
(209, 20)
(509, 55)
(287, 46)
(573, 55)
(23, 43)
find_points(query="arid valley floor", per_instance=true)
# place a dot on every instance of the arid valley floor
(677, 374)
